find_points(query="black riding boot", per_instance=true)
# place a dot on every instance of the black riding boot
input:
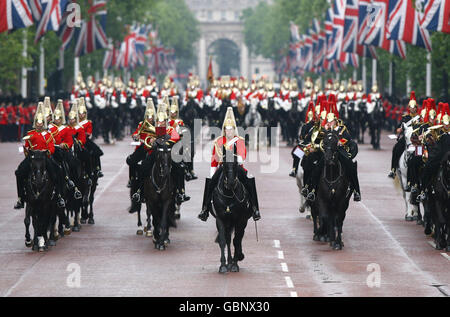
(204, 214)
(210, 184)
(314, 180)
(355, 181)
(251, 187)
(397, 152)
(56, 175)
(23, 170)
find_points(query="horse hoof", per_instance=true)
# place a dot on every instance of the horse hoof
(419, 222)
(140, 232)
(162, 247)
(166, 242)
(323, 239)
(76, 229)
(316, 238)
(409, 218)
(67, 231)
(83, 221)
(35, 247)
(177, 216)
(234, 268)
(145, 229)
(308, 217)
(28, 244)
(302, 210)
(41, 249)
(427, 231)
(149, 234)
(51, 243)
(223, 269)
(91, 221)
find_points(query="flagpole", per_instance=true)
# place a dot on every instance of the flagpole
(24, 69)
(428, 92)
(41, 69)
(390, 77)
(374, 72)
(364, 75)
(76, 65)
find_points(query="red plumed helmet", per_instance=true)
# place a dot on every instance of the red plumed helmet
(432, 103)
(413, 95)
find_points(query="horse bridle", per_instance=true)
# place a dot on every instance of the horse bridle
(161, 174)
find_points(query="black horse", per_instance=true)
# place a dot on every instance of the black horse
(333, 193)
(78, 170)
(232, 210)
(376, 122)
(39, 199)
(362, 118)
(440, 205)
(160, 194)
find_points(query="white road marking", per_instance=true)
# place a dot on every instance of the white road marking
(281, 255)
(284, 267)
(289, 282)
(398, 246)
(445, 255)
(97, 198)
(294, 294)
(276, 243)
(432, 244)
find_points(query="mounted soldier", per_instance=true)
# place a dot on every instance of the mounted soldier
(38, 139)
(230, 138)
(93, 148)
(399, 147)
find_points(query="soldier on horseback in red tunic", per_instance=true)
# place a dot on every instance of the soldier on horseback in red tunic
(227, 141)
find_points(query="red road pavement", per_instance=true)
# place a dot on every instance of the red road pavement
(113, 261)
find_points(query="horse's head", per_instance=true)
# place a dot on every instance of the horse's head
(39, 177)
(163, 154)
(230, 163)
(330, 147)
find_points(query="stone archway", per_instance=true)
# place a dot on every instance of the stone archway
(225, 56)
(213, 32)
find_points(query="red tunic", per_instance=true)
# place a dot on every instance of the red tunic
(176, 122)
(87, 126)
(81, 134)
(217, 149)
(3, 116)
(40, 141)
(61, 135)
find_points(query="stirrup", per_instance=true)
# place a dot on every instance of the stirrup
(256, 215)
(77, 194)
(60, 202)
(357, 196)
(293, 173)
(392, 174)
(136, 196)
(311, 196)
(19, 204)
(204, 214)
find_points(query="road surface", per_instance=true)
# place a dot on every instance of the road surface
(383, 254)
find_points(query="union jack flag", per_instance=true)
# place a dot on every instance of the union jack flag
(92, 35)
(350, 40)
(434, 14)
(111, 56)
(14, 14)
(127, 56)
(403, 24)
(373, 17)
(338, 21)
(51, 17)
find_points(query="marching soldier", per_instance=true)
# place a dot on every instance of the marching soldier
(229, 138)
